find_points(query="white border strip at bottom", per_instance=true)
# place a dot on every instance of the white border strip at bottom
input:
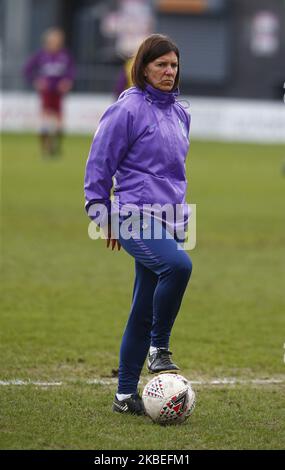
(112, 381)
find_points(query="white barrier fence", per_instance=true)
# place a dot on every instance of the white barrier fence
(212, 118)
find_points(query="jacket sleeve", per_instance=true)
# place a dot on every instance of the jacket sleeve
(70, 69)
(30, 68)
(186, 117)
(110, 144)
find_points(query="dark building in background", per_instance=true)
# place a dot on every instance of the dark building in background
(258, 68)
(232, 48)
(203, 31)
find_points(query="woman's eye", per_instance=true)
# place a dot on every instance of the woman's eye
(174, 66)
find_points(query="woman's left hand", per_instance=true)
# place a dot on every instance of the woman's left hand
(113, 243)
(111, 240)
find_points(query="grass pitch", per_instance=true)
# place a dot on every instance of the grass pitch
(65, 301)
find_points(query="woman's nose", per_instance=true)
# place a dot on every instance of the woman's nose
(169, 70)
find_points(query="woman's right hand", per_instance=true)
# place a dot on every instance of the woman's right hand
(41, 84)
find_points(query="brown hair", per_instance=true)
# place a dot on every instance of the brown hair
(151, 48)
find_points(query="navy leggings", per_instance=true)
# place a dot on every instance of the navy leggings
(162, 272)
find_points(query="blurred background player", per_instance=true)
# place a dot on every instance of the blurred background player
(51, 71)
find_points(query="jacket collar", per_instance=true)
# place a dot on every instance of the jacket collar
(164, 98)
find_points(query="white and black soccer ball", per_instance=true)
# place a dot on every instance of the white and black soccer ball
(168, 399)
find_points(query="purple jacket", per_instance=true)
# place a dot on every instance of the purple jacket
(142, 139)
(51, 66)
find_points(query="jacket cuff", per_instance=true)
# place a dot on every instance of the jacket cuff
(99, 211)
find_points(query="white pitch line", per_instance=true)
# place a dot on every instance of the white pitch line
(30, 382)
(112, 381)
(224, 381)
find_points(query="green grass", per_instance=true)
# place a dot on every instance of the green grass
(65, 300)
(76, 417)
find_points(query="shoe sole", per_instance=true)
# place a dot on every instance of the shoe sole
(128, 413)
(117, 409)
(172, 371)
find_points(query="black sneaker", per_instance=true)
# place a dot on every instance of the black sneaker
(132, 405)
(160, 361)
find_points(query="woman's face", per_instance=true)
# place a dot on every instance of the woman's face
(54, 41)
(161, 72)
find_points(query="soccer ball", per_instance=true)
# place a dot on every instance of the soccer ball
(168, 399)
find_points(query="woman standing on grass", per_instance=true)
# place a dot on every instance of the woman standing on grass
(51, 71)
(142, 139)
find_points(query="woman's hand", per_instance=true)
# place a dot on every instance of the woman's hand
(111, 240)
(41, 85)
(64, 86)
(114, 243)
